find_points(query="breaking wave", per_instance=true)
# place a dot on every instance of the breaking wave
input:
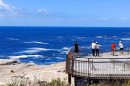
(81, 37)
(99, 36)
(13, 39)
(33, 50)
(34, 42)
(25, 56)
(125, 39)
(64, 50)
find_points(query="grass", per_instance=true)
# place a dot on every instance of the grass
(55, 82)
(22, 81)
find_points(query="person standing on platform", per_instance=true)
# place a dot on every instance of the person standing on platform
(121, 47)
(113, 46)
(76, 49)
(97, 48)
(93, 46)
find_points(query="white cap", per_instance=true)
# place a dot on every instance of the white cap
(120, 41)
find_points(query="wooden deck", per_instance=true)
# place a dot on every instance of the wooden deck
(104, 67)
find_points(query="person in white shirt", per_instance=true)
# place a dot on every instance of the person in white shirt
(121, 47)
(93, 46)
(97, 48)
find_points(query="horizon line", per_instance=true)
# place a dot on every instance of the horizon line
(74, 26)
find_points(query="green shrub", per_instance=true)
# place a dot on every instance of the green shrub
(54, 82)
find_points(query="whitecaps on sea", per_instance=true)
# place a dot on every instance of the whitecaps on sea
(99, 36)
(64, 50)
(13, 39)
(85, 47)
(25, 56)
(125, 39)
(81, 37)
(35, 42)
(59, 58)
(34, 50)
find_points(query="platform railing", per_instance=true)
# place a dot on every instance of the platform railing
(113, 67)
(100, 67)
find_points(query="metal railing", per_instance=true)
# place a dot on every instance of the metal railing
(100, 67)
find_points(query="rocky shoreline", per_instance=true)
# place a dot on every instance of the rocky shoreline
(11, 70)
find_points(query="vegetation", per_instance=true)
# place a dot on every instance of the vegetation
(56, 82)
(22, 81)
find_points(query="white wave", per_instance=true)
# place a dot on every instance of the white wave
(15, 39)
(114, 36)
(35, 42)
(99, 37)
(34, 50)
(125, 39)
(81, 37)
(59, 58)
(85, 47)
(25, 56)
(64, 50)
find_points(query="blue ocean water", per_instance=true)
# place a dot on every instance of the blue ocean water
(48, 45)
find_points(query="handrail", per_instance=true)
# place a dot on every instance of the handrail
(90, 60)
(105, 58)
(87, 67)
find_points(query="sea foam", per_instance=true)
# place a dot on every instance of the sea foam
(25, 56)
(65, 50)
(34, 42)
(34, 50)
(99, 36)
(125, 39)
(13, 39)
(81, 37)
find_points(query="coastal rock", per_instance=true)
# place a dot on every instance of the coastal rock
(30, 72)
(9, 62)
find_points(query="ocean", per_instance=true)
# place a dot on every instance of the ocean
(48, 45)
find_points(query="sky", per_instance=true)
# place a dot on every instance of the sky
(84, 13)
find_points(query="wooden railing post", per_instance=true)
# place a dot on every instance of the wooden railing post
(68, 69)
(72, 66)
(69, 79)
(67, 63)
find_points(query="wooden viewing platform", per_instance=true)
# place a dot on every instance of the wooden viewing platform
(103, 67)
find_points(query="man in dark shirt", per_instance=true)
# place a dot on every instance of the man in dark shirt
(76, 48)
